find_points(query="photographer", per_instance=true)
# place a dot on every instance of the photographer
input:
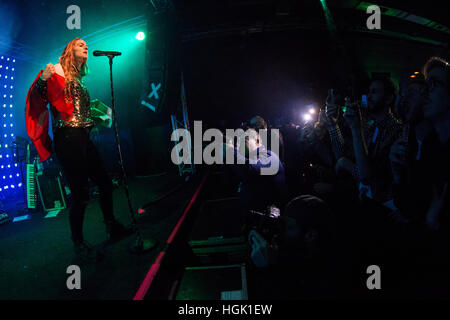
(317, 159)
(258, 123)
(259, 189)
(372, 139)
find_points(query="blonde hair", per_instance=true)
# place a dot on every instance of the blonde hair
(67, 61)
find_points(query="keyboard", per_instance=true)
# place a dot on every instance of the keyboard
(31, 186)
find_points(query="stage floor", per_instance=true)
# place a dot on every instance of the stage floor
(35, 254)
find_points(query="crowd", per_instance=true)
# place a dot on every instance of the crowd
(370, 178)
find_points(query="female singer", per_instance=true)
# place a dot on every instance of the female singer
(62, 86)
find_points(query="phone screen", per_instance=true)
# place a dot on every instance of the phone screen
(364, 101)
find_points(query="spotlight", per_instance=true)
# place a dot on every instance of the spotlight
(307, 117)
(140, 36)
(312, 111)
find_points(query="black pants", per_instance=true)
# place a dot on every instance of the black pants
(80, 161)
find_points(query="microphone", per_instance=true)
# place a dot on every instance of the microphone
(106, 53)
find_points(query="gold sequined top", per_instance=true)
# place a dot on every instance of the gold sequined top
(81, 108)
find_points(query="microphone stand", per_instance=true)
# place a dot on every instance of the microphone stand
(140, 245)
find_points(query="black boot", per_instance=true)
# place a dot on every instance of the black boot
(116, 231)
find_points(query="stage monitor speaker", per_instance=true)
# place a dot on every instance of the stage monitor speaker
(216, 237)
(50, 191)
(226, 282)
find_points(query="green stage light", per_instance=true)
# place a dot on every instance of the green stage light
(140, 36)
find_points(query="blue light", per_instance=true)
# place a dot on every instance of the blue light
(22, 218)
(6, 158)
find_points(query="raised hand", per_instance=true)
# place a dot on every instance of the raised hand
(48, 72)
(331, 109)
(351, 115)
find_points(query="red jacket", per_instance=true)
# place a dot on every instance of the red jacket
(36, 113)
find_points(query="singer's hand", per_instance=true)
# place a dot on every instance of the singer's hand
(48, 72)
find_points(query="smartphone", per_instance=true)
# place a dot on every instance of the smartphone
(364, 101)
